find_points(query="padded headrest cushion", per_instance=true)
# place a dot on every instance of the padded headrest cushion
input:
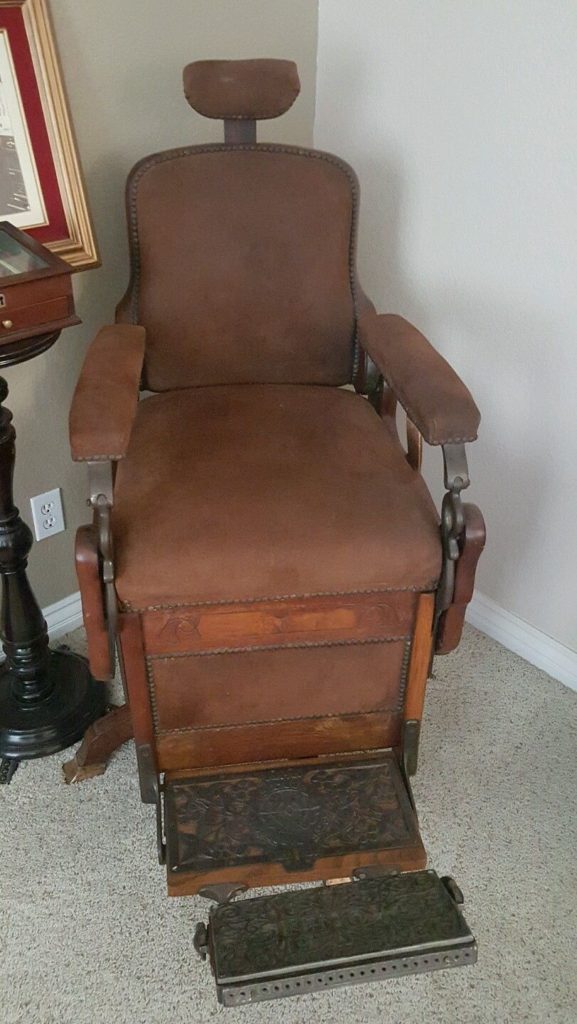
(241, 89)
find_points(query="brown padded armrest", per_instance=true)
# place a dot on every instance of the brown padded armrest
(106, 395)
(429, 390)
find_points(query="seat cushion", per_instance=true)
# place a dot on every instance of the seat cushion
(244, 492)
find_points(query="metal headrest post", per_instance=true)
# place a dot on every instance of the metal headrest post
(241, 92)
(239, 132)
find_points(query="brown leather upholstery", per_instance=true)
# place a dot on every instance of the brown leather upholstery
(229, 689)
(428, 388)
(242, 266)
(276, 558)
(239, 493)
(106, 394)
(244, 89)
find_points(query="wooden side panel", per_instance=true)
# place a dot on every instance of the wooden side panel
(135, 678)
(87, 570)
(411, 858)
(451, 622)
(269, 741)
(420, 657)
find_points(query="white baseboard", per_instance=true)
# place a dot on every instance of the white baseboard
(63, 616)
(484, 614)
(518, 636)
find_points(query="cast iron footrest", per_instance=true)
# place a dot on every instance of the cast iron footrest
(296, 942)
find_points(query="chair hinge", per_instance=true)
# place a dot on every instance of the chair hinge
(452, 522)
(100, 480)
(410, 754)
(222, 892)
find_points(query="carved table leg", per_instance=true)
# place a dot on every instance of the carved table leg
(101, 740)
(47, 698)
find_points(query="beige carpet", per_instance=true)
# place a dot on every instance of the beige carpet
(88, 936)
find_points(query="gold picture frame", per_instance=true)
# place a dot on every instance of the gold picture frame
(41, 185)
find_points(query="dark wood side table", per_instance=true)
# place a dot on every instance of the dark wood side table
(47, 697)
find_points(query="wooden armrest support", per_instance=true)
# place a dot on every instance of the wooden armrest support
(106, 395)
(472, 542)
(88, 572)
(432, 394)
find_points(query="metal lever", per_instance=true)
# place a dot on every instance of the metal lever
(200, 940)
(453, 890)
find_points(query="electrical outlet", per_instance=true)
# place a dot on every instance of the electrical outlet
(47, 514)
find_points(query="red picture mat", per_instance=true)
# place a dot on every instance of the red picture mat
(12, 20)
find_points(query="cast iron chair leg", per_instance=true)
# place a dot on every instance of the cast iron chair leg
(101, 739)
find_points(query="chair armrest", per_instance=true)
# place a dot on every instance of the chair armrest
(432, 394)
(106, 396)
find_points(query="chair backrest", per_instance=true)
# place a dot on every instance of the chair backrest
(242, 254)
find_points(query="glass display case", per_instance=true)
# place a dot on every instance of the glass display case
(35, 294)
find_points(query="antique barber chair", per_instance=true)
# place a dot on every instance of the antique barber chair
(265, 554)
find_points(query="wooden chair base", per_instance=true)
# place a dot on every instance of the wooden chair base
(100, 741)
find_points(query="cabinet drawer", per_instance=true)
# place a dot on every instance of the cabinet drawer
(30, 316)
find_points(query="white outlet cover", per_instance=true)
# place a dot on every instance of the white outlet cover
(47, 514)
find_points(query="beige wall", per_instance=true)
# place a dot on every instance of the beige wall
(122, 62)
(459, 117)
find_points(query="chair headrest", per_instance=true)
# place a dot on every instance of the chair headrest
(245, 90)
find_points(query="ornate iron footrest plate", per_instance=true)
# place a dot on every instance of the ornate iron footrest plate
(292, 815)
(297, 942)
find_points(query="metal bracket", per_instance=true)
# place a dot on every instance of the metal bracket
(410, 754)
(372, 871)
(147, 773)
(160, 841)
(151, 792)
(453, 890)
(200, 940)
(452, 520)
(100, 481)
(222, 892)
(411, 736)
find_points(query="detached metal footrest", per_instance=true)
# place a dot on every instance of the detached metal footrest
(296, 942)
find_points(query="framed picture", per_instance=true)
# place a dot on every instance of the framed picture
(41, 188)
